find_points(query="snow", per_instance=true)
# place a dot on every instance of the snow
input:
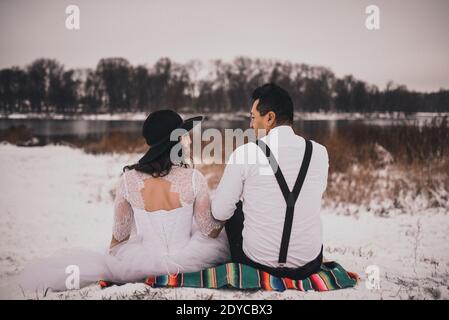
(57, 197)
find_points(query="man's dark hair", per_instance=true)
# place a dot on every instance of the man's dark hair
(274, 98)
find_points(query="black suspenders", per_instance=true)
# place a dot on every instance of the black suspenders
(289, 196)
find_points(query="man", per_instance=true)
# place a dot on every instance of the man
(277, 226)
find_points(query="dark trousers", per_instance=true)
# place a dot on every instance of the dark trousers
(234, 228)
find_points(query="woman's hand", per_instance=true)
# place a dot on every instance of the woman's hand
(215, 233)
(115, 242)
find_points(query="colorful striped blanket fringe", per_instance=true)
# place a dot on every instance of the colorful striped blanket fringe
(331, 276)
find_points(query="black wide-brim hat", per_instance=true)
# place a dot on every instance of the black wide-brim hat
(158, 128)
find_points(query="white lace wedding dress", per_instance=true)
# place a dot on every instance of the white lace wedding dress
(160, 242)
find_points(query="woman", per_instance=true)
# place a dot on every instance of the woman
(162, 220)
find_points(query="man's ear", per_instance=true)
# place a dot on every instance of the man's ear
(271, 118)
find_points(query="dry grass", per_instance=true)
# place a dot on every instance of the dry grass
(16, 134)
(407, 144)
(397, 187)
(114, 141)
(404, 167)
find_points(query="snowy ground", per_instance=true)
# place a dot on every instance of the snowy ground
(56, 197)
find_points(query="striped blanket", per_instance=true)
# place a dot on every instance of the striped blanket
(332, 276)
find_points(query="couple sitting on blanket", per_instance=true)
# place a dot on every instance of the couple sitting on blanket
(165, 221)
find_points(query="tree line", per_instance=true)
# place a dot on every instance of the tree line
(45, 86)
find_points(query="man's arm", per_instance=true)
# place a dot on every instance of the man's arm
(229, 189)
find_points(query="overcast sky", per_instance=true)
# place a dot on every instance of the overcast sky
(411, 47)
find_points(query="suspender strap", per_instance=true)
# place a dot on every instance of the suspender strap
(289, 196)
(276, 170)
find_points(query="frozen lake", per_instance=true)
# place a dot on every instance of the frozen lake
(51, 130)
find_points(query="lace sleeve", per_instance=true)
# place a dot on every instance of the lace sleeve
(201, 209)
(123, 214)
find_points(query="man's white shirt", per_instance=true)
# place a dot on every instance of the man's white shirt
(249, 177)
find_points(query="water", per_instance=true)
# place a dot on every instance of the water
(52, 130)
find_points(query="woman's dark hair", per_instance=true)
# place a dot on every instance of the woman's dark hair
(159, 167)
(274, 98)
